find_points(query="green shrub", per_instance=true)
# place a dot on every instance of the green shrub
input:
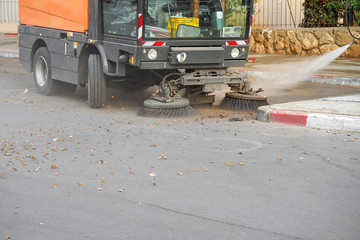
(356, 6)
(326, 13)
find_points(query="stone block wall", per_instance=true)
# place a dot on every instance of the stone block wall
(304, 41)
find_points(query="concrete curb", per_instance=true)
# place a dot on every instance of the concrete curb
(312, 120)
(353, 82)
(9, 54)
(333, 80)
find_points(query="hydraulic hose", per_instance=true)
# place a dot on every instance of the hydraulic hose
(347, 24)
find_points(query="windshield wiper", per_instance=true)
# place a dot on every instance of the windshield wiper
(171, 32)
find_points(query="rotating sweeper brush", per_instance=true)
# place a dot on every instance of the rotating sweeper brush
(242, 102)
(178, 108)
(243, 98)
(168, 101)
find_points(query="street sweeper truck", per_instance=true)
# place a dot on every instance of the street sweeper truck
(185, 47)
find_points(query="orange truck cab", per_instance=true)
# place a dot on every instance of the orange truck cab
(91, 42)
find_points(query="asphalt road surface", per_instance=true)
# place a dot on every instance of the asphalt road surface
(70, 172)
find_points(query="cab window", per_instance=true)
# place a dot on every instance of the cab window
(120, 17)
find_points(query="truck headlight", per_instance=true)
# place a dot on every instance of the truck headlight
(152, 54)
(235, 53)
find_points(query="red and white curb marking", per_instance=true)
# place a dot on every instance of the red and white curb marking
(293, 118)
(312, 120)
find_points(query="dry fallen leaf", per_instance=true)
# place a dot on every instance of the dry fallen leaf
(162, 157)
(53, 166)
(153, 145)
(15, 169)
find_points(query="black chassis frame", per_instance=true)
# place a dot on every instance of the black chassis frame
(69, 51)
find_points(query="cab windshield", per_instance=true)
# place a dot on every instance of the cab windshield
(196, 18)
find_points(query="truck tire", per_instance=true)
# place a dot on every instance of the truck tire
(96, 82)
(42, 72)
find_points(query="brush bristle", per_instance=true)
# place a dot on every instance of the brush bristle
(186, 111)
(237, 104)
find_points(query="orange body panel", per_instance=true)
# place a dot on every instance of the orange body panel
(34, 13)
(69, 15)
(64, 15)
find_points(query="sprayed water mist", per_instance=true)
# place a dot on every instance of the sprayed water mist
(285, 75)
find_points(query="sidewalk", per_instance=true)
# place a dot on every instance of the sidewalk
(9, 46)
(338, 113)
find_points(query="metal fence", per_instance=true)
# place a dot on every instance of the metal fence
(278, 13)
(268, 13)
(9, 11)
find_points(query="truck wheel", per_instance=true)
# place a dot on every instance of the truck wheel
(42, 72)
(96, 82)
